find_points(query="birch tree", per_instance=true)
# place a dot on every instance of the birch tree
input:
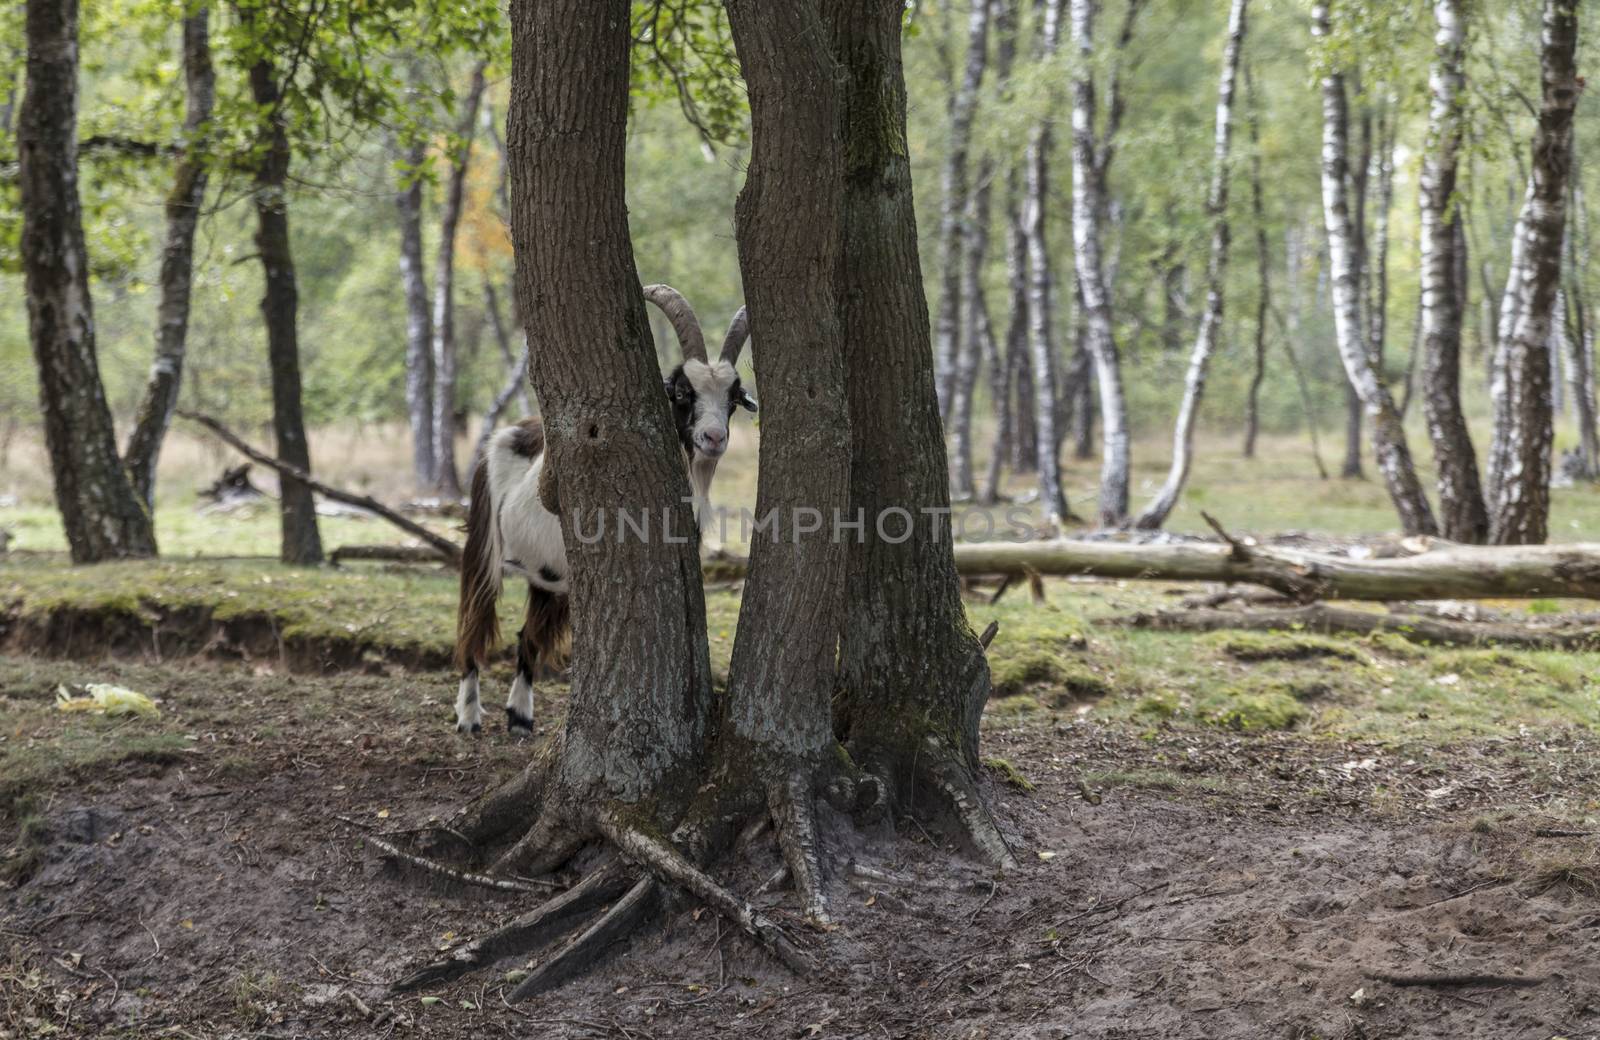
(1092, 152)
(1258, 213)
(177, 261)
(1462, 516)
(103, 517)
(419, 319)
(1155, 514)
(1389, 438)
(1519, 457)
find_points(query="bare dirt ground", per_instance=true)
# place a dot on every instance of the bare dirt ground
(1177, 884)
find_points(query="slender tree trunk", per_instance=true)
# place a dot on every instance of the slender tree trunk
(1155, 514)
(1462, 516)
(1091, 159)
(1041, 328)
(301, 542)
(177, 263)
(954, 202)
(977, 337)
(103, 516)
(1389, 439)
(502, 339)
(912, 674)
(419, 319)
(1258, 213)
(1294, 262)
(1519, 459)
(448, 482)
(1019, 358)
(1580, 345)
(638, 716)
(1004, 362)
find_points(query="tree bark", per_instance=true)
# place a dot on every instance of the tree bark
(638, 716)
(1042, 347)
(177, 263)
(1462, 515)
(103, 516)
(297, 513)
(1258, 213)
(448, 481)
(1091, 159)
(1519, 458)
(1580, 345)
(977, 335)
(1155, 514)
(788, 223)
(912, 675)
(1019, 358)
(1006, 361)
(1389, 439)
(954, 202)
(419, 319)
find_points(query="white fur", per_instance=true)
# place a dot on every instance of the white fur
(711, 384)
(469, 710)
(520, 701)
(526, 535)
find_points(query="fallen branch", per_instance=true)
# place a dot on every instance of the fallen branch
(1324, 619)
(451, 873)
(444, 546)
(1455, 980)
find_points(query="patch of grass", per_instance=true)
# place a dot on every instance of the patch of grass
(1238, 708)
(1008, 773)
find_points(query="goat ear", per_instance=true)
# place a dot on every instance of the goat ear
(745, 401)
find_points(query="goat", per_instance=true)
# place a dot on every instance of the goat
(509, 529)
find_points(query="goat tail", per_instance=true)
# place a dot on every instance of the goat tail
(547, 629)
(477, 624)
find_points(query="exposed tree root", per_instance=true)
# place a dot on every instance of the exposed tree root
(549, 843)
(541, 925)
(667, 863)
(794, 816)
(465, 877)
(612, 926)
(971, 813)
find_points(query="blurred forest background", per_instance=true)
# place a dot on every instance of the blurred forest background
(687, 151)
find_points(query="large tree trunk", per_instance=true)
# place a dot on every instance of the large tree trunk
(788, 222)
(637, 720)
(1519, 458)
(1041, 286)
(297, 513)
(177, 263)
(912, 675)
(103, 517)
(1155, 514)
(953, 202)
(1091, 159)
(419, 319)
(448, 481)
(1258, 213)
(1462, 515)
(1389, 439)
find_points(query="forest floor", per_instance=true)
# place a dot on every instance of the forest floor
(1223, 836)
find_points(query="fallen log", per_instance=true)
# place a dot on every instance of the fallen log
(447, 549)
(1322, 619)
(387, 554)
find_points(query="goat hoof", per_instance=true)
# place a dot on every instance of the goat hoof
(476, 729)
(518, 725)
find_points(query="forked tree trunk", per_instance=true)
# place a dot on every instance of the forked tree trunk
(103, 517)
(1091, 159)
(637, 721)
(297, 513)
(177, 263)
(448, 482)
(1155, 514)
(1519, 458)
(953, 202)
(1393, 455)
(1041, 287)
(912, 674)
(1258, 213)
(419, 319)
(1462, 516)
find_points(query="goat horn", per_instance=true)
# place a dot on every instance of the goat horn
(681, 315)
(738, 333)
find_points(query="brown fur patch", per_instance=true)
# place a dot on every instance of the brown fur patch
(527, 438)
(477, 626)
(547, 629)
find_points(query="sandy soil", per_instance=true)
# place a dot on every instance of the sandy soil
(1176, 885)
